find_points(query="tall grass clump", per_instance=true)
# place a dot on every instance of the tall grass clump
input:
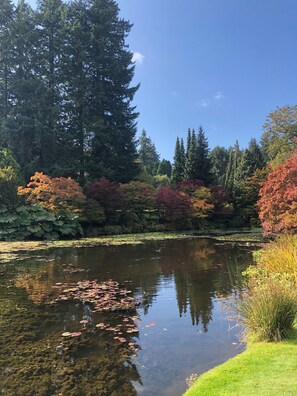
(280, 257)
(269, 308)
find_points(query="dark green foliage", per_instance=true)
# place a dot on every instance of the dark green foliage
(202, 159)
(34, 222)
(195, 163)
(8, 187)
(147, 153)
(165, 168)
(190, 165)
(219, 160)
(233, 163)
(9, 179)
(65, 95)
(252, 159)
(179, 159)
(92, 213)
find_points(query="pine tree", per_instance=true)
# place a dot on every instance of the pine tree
(65, 89)
(219, 161)
(6, 20)
(49, 18)
(21, 125)
(112, 116)
(190, 166)
(147, 153)
(233, 163)
(251, 160)
(178, 162)
(202, 161)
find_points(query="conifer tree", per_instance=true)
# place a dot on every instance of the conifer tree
(202, 168)
(164, 168)
(190, 165)
(147, 153)
(6, 20)
(233, 163)
(251, 160)
(178, 164)
(219, 161)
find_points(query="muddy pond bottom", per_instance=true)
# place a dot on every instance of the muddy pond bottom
(118, 320)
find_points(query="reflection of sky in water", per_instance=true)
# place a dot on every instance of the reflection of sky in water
(184, 327)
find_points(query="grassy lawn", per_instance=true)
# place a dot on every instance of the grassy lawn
(268, 369)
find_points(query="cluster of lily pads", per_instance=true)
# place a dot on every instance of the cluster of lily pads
(121, 330)
(103, 297)
(127, 328)
(71, 269)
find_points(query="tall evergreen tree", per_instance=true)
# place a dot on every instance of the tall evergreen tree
(65, 89)
(6, 21)
(202, 161)
(21, 126)
(50, 20)
(113, 118)
(252, 159)
(233, 163)
(219, 161)
(190, 165)
(178, 162)
(147, 153)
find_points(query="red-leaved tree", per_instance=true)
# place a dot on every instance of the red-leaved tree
(278, 198)
(109, 195)
(175, 207)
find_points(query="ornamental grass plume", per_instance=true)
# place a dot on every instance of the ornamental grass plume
(268, 312)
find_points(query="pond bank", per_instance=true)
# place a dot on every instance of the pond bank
(15, 250)
(263, 369)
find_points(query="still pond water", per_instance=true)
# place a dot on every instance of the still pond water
(184, 289)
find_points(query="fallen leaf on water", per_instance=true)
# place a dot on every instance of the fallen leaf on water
(66, 334)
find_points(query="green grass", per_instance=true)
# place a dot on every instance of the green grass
(264, 369)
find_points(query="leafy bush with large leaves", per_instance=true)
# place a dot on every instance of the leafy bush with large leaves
(35, 222)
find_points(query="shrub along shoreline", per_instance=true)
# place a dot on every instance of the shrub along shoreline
(268, 312)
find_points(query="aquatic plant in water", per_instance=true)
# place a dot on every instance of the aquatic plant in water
(103, 297)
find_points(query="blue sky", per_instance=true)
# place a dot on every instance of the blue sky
(222, 64)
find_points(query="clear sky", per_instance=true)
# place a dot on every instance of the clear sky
(222, 64)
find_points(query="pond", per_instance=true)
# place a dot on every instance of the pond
(181, 324)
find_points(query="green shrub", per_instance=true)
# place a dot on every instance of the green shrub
(35, 222)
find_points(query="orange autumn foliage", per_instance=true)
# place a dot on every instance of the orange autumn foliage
(278, 198)
(57, 194)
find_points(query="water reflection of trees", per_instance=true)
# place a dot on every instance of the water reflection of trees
(202, 270)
